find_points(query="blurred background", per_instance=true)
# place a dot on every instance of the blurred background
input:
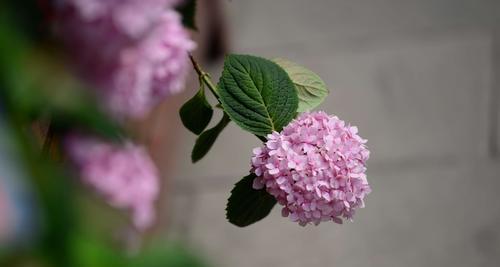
(421, 80)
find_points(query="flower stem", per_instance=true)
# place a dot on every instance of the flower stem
(204, 77)
(49, 138)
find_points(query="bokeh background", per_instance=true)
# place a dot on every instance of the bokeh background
(421, 80)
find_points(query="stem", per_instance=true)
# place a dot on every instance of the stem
(204, 77)
(261, 138)
(49, 137)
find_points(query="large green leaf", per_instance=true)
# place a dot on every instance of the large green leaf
(207, 139)
(247, 205)
(310, 88)
(197, 112)
(257, 94)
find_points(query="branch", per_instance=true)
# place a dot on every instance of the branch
(204, 77)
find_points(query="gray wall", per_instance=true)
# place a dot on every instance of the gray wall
(419, 79)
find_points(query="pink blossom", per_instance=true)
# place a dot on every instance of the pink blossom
(133, 17)
(315, 168)
(123, 173)
(133, 52)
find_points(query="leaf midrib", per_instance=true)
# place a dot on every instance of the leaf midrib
(261, 102)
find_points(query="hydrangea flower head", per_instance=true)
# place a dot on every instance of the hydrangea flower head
(133, 52)
(315, 168)
(124, 174)
(130, 16)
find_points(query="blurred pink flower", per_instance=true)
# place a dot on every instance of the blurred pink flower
(132, 17)
(315, 168)
(133, 52)
(123, 173)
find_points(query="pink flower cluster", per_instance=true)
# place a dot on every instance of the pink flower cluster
(134, 52)
(123, 173)
(132, 17)
(315, 168)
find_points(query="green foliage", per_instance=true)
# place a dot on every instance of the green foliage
(53, 192)
(247, 205)
(23, 74)
(86, 116)
(310, 88)
(196, 113)
(187, 9)
(257, 94)
(207, 139)
(26, 17)
(92, 252)
(171, 255)
(36, 85)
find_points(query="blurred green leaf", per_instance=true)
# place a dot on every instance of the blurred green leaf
(247, 205)
(91, 252)
(63, 99)
(54, 195)
(196, 113)
(53, 189)
(166, 256)
(37, 84)
(311, 90)
(207, 139)
(34, 84)
(27, 18)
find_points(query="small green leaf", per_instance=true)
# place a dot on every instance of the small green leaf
(187, 9)
(207, 139)
(247, 205)
(197, 112)
(310, 88)
(257, 94)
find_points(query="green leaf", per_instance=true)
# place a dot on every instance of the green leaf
(257, 94)
(207, 139)
(310, 88)
(197, 112)
(247, 205)
(187, 9)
